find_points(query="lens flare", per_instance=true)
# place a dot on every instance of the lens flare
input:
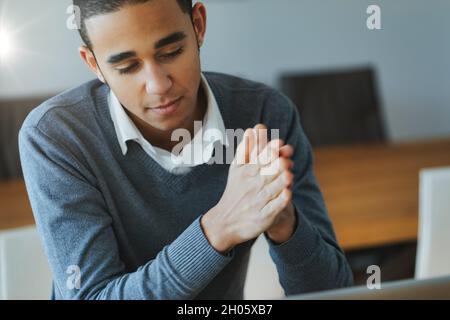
(6, 46)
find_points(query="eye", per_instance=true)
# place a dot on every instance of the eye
(172, 55)
(129, 69)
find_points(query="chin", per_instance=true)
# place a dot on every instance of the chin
(168, 125)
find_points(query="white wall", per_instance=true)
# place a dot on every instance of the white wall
(46, 60)
(259, 39)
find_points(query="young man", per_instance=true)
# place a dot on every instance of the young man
(120, 219)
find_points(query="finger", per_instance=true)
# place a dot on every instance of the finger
(270, 152)
(250, 146)
(253, 147)
(261, 134)
(277, 166)
(273, 189)
(242, 151)
(276, 205)
(286, 151)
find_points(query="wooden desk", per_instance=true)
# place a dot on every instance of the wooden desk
(372, 192)
(15, 210)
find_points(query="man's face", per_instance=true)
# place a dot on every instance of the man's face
(148, 54)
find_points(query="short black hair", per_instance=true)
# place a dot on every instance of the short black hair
(91, 8)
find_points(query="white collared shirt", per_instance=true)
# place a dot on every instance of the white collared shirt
(200, 147)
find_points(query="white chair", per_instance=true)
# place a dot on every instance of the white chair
(433, 246)
(262, 277)
(24, 270)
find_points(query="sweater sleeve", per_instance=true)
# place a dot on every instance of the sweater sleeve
(76, 229)
(311, 260)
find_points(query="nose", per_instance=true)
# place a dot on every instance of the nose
(158, 80)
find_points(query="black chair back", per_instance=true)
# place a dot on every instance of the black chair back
(337, 107)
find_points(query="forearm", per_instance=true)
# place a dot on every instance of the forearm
(180, 271)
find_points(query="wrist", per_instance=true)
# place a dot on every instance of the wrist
(215, 232)
(279, 237)
(284, 230)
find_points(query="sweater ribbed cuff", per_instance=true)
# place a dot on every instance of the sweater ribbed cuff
(302, 244)
(194, 258)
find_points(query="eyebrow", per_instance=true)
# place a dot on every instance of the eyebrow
(116, 58)
(172, 38)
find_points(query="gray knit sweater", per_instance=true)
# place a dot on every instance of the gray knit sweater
(121, 227)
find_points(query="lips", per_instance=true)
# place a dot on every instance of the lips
(168, 108)
(163, 106)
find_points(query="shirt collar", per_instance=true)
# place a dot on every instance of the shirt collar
(213, 128)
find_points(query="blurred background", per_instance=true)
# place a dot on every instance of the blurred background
(374, 103)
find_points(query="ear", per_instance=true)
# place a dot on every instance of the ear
(88, 57)
(199, 21)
